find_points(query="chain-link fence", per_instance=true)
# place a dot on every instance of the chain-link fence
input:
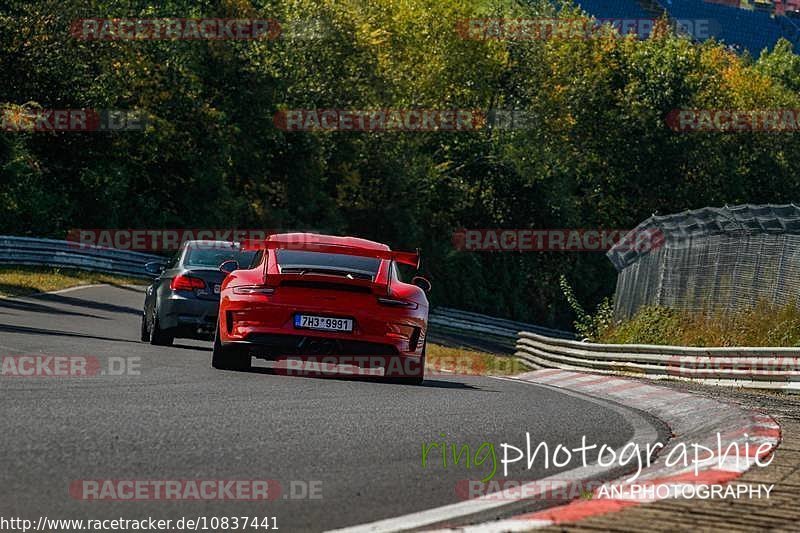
(713, 259)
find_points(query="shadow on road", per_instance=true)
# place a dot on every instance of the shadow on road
(131, 288)
(32, 307)
(190, 347)
(40, 331)
(439, 384)
(89, 304)
(16, 291)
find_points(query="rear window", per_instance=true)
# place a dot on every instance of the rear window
(345, 264)
(213, 257)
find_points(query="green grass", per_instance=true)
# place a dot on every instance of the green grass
(23, 280)
(763, 324)
(464, 361)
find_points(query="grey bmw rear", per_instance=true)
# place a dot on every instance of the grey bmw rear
(183, 300)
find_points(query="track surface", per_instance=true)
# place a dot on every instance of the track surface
(181, 419)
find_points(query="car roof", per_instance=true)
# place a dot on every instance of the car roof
(353, 242)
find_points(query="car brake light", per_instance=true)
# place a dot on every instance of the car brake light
(392, 302)
(253, 289)
(186, 283)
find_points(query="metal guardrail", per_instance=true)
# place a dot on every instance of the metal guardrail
(763, 368)
(475, 325)
(68, 254)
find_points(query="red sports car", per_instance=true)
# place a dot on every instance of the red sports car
(309, 296)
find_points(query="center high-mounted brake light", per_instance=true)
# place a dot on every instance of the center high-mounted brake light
(393, 302)
(186, 283)
(253, 289)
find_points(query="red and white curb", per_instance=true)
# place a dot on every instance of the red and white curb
(692, 419)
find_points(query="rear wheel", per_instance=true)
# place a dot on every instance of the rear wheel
(158, 336)
(229, 357)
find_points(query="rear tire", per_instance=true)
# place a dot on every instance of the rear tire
(145, 333)
(158, 336)
(229, 357)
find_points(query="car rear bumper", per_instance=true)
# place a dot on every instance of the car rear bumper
(407, 340)
(270, 324)
(272, 345)
(301, 355)
(189, 317)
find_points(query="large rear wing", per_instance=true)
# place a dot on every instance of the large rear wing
(406, 258)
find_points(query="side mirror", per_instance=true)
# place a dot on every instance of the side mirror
(422, 283)
(229, 266)
(154, 267)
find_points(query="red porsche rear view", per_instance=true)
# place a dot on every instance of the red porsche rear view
(311, 296)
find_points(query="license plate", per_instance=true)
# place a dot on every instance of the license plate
(216, 288)
(324, 323)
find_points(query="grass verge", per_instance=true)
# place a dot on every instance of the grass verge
(448, 360)
(24, 280)
(763, 324)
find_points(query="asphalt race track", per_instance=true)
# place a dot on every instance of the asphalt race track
(180, 419)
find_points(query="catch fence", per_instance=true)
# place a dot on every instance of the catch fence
(713, 259)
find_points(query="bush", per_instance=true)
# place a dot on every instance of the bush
(764, 324)
(589, 326)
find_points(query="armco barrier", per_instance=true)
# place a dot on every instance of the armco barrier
(67, 254)
(764, 368)
(470, 324)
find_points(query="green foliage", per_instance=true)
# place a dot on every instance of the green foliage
(589, 326)
(597, 156)
(651, 325)
(763, 324)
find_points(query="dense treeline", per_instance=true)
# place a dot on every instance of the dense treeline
(598, 153)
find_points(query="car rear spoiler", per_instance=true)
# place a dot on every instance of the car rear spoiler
(406, 258)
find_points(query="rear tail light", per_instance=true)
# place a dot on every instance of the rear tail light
(253, 289)
(393, 302)
(186, 283)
